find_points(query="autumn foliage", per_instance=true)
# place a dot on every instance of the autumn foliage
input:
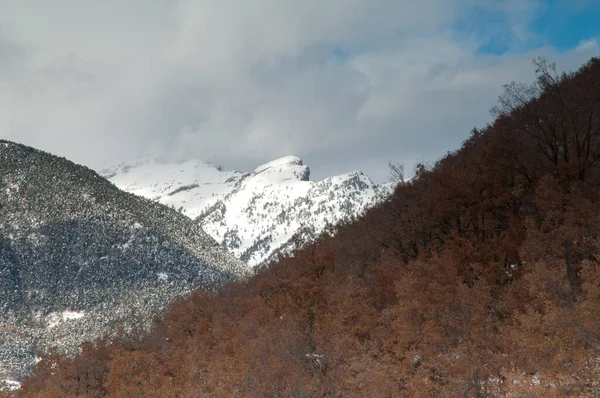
(479, 277)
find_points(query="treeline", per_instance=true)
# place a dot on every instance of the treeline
(479, 277)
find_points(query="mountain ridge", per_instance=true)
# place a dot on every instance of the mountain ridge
(255, 215)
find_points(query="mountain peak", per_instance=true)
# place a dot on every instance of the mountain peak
(255, 215)
(283, 161)
(284, 168)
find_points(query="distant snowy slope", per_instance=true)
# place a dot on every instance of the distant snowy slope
(190, 187)
(254, 215)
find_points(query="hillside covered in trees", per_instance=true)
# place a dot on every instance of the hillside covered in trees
(78, 256)
(479, 277)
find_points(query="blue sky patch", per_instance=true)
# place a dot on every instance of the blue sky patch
(556, 23)
(566, 24)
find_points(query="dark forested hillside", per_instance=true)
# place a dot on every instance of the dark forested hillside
(479, 277)
(75, 252)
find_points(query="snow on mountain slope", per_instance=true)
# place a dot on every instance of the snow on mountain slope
(190, 187)
(254, 215)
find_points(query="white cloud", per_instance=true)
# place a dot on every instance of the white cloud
(346, 84)
(590, 46)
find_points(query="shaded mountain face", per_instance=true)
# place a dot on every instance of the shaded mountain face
(79, 257)
(254, 215)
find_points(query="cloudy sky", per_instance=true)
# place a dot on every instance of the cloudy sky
(344, 84)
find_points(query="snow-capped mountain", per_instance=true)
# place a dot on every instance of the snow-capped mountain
(254, 215)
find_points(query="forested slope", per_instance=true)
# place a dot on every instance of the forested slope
(479, 277)
(78, 257)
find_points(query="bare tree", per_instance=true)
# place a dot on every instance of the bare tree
(562, 115)
(396, 172)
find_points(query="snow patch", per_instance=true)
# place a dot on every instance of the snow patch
(54, 319)
(163, 276)
(9, 385)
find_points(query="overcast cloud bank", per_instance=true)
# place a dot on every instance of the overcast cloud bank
(344, 84)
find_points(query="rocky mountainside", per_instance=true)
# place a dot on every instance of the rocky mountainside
(253, 215)
(80, 258)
